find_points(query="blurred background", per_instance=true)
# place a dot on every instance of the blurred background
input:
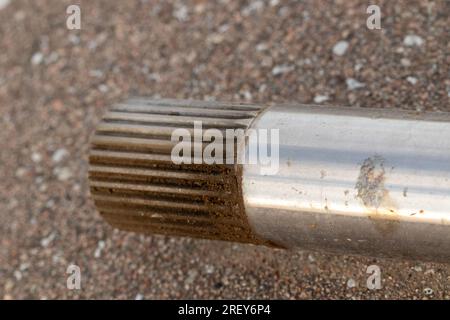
(55, 84)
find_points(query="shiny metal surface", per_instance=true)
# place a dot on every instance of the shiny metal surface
(355, 181)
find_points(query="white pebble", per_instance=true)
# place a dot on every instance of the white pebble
(59, 155)
(405, 62)
(63, 174)
(412, 80)
(340, 48)
(224, 28)
(247, 95)
(21, 172)
(181, 13)
(18, 275)
(281, 69)
(262, 47)
(428, 291)
(209, 269)
(50, 203)
(47, 240)
(37, 58)
(413, 40)
(274, 3)
(353, 84)
(320, 99)
(358, 67)
(98, 250)
(4, 3)
(103, 88)
(36, 157)
(24, 266)
(417, 268)
(351, 283)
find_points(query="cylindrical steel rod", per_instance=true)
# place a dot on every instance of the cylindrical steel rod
(355, 181)
(351, 180)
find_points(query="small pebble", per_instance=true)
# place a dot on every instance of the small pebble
(18, 275)
(405, 62)
(353, 84)
(98, 250)
(63, 174)
(281, 69)
(340, 48)
(59, 155)
(39, 180)
(358, 67)
(24, 266)
(209, 269)
(428, 291)
(247, 95)
(262, 47)
(274, 3)
(47, 240)
(103, 88)
(21, 172)
(181, 13)
(37, 58)
(412, 80)
(413, 40)
(417, 268)
(36, 157)
(320, 99)
(351, 283)
(50, 203)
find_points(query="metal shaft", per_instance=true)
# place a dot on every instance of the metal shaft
(351, 180)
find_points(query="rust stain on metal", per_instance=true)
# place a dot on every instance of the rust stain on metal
(374, 195)
(370, 183)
